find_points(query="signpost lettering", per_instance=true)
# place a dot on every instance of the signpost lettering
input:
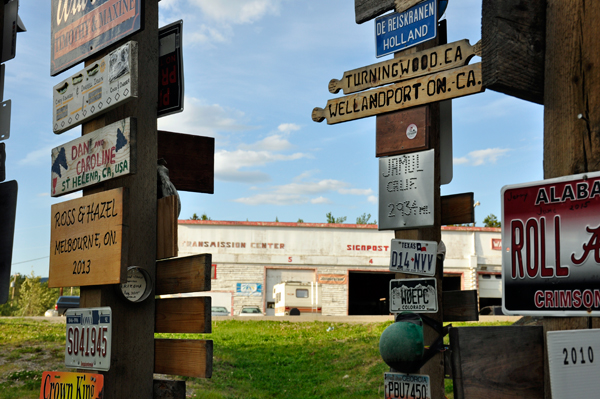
(418, 295)
(89, 342)
(81, 29)
(437, 59)
(104, 154)
(400, 30)
(96, 89)
(86, 241)
(406, 186)
(551, 239)
(435, 87)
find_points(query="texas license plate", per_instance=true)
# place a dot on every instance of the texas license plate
(88, 338)
(413, 257)
(407, 386)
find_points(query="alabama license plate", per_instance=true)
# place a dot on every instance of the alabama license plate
(407, 386)
(88, 338)
(413, 257)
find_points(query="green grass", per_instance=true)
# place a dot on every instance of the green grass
(252, 359)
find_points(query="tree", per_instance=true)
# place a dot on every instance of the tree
(364, 219)
(203, 217)
(36, 297)
(332, 219)
(300, 220)
(276, 219)
(491, 221)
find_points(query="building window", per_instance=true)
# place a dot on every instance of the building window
(213, 271)
(301, 293)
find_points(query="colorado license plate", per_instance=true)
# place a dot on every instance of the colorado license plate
(88, 338)
(413, 257)
(407, 386)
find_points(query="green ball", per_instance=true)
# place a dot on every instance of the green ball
(401, 346)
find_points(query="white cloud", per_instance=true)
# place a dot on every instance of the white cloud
(372, 199)
(238, 11)
(228, 164)
(271, 143)
(272, 199)
(320, 200)
(481, 157)
(288, 127)
(204, 119)
(208, 35)
(355, 191)
(319, 187)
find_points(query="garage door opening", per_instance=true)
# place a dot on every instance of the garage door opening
(368, 293)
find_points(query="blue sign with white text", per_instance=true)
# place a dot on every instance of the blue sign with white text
(401, 30)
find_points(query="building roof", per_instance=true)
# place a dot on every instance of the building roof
(320, 225)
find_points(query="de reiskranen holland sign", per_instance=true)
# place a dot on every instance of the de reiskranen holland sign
(399, 31)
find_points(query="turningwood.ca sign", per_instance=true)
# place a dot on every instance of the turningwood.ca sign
(81, 28)
(551, 247)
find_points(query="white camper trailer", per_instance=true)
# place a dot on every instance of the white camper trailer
(295, 298)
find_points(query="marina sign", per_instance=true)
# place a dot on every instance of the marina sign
(93, 158)
(437, 59)
(86, 241)
(551, 240)
(400, 30)
(413, 257)
(406, 197)
(99, 87)
(82, 28)
(417, 295)
(457, 82)
(89, 342)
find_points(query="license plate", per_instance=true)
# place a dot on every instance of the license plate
(418, 295)
(407, 386)
(62, 384)
(88, 338)
(413, 257)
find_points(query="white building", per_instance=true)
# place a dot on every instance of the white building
(350, 261)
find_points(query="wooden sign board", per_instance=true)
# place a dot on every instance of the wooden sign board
(81, 29)
(403, 131)
(183, 315)
(87, 241)
(101, 155)
(440, 86)
(437, 59)
(366, 10)
(96, 89)
(457, 209)
(185, 274)
(185, 357)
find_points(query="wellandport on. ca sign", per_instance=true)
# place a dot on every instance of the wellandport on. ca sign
(551, 247)
(80, 28)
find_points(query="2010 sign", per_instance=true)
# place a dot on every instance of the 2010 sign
(551, 240)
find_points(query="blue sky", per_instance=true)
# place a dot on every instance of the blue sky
(254, 70)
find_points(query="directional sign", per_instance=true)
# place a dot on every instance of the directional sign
(406, 197)
(551, 240)
(418, 295)
(86, 241)
(437, 59)
(574, 362)
(399, 31)
(81, 29)
(100, 87)
(170, 76)
(413, 257)
(89, 338)
(98, 156)
(62, 384)
(440, 86)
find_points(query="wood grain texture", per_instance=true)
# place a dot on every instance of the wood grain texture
(406, 66)
(366, 10)
(190, 160)
(457, 209)
(513, 42)
(183, 315)
(86, 240)
(186, 274)
(497, 362)
(460, 305)
(132, 361)
(169, 389)
(166, 227)
(454, 83)
(184, 357)
(392, 136)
